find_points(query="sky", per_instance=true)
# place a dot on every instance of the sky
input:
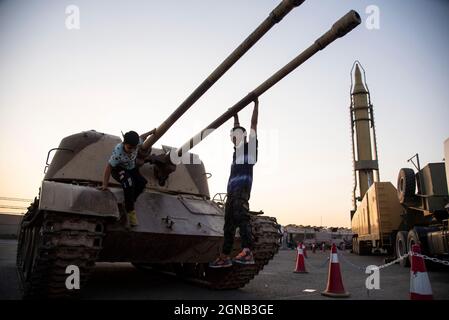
(131, 63)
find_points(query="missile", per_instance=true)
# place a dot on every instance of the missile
(366, 167)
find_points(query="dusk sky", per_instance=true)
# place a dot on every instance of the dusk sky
(131, 63)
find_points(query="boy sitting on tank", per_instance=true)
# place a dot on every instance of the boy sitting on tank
(238, 194)
(122, 166)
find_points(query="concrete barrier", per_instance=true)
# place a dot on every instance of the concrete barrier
(9, 225)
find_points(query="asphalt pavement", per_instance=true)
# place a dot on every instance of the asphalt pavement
(275, 282)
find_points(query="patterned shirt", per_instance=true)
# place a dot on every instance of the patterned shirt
(125, 160)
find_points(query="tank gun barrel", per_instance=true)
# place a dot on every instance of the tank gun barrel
(339, 29)
(274, 17)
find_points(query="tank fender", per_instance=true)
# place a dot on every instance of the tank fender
(78, 199)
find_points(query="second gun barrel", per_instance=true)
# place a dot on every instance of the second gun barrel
(275, 16)
(340, 28)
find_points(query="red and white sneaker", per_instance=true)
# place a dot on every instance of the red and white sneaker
(222, 261)
(244, 257)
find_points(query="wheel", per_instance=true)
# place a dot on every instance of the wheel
(401, 248)
(412, 238)
(406, 185)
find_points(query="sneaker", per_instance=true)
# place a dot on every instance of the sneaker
(244, 257)
(132, 218)
(221, 262)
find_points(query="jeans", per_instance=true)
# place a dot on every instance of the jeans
(236, 215)
(132, 182)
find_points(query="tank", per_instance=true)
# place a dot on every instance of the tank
(180, 228)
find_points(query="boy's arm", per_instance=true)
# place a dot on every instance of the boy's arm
(236, 120)
(255, 115)
(107, 175)
(145, 135)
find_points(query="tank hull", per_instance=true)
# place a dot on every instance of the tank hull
(143, 247)
(177, 234)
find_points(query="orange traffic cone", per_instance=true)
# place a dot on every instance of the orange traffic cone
(420, 288)
(300, 266)
(335, 287)
(304, 250)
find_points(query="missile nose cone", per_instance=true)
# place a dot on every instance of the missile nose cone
(357, 73)
(359, 87)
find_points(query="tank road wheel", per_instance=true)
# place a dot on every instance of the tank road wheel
(48, 243)
(402, 248)
(406, 185)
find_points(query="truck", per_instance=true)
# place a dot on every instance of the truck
(415, 212)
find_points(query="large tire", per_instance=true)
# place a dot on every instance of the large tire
(402, 248)
(412, 238)
(406, 185)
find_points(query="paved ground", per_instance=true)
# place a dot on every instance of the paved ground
(276, 281)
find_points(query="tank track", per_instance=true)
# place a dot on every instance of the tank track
(266, 242)
(48, 243)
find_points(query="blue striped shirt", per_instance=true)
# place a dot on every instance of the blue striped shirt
(241, 177)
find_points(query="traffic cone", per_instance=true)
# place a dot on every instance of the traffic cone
(300, 266)
(335, 287)
(420, 288)
(304, 250)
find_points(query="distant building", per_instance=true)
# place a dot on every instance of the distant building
(293, 234)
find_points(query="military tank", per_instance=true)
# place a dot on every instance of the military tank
(180, 228)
